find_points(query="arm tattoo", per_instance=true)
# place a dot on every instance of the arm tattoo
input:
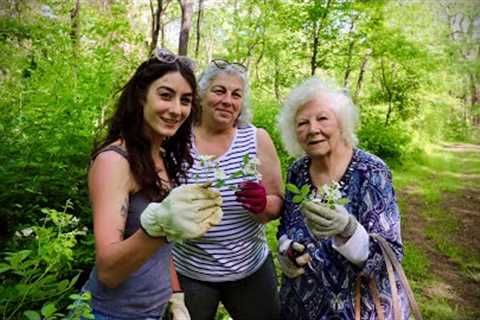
(124, 214)
(124, 209)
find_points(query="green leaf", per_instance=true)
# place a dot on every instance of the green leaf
(32, 315)
(305, 189)
(18, 257)
(219, 184)
(4, 267)
(298, 198)
(342, 201)
(75, 296)
(246, 159)
(73, 281)
(236, 174)
(292, 188)
(48, 310)
(62, 285)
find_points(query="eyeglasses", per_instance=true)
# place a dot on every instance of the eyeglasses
(223, 64)
(166, 56)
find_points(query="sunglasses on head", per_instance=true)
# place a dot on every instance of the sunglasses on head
(166, 56)
(222, 64)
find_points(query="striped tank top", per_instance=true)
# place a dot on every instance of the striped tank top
(237, 247)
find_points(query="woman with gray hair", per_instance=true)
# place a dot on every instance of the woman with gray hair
(323, 245)
(232, 263)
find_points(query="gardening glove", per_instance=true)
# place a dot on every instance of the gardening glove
(178, 309)
(252, 196)
(186, 213)
(292, 257)
(324, 221)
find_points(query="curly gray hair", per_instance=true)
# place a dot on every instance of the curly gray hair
(211, 72)
(341, 104)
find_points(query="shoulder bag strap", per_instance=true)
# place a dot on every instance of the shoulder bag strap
(392, 263)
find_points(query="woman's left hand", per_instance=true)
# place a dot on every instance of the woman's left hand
(252, 196)
(177, 307)
(324, 222)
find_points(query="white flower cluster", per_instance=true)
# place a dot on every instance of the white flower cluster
(24, 232)
(328, 192)
(249, 169)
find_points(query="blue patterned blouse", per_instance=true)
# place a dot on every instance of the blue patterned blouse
(327, 289)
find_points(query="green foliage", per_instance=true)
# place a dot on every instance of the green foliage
(56, 93)
(40, 273)
(419, 177)
(265, 116)
(300, 195)
(387, 142)
(78, 309)
(415, 263)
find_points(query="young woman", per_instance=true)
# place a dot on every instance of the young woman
(136, 203)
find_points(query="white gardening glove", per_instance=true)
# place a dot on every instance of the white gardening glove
(291, 257)
(186, 213)
(178, 309)
(324, 222)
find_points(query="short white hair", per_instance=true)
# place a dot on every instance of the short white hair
(212, 71)
(316, 88)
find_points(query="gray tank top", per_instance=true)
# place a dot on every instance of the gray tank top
(146, 292)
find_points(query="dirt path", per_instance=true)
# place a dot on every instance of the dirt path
(457, 283)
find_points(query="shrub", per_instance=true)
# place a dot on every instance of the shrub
(388, 142)
(53, 96)
(265, 116)
(39, 273)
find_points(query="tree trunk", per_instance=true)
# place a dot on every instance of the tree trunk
(276, 80)
(317, 27)
(348, 68)
(185, 26)
(386, 86)
(259, 59)
(162, 35)
(474, 99)
(75, 20)
(199, 18)
(155, 29)
(361, 74)
(313, 61)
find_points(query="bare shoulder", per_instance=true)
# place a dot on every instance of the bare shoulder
(113, 154)
(110, 159)
(110, 168)
(264, 140)
(266, 152)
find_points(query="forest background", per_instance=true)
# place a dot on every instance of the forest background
(411, 67)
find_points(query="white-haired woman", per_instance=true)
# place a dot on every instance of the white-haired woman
(232, 263)
(323, 247)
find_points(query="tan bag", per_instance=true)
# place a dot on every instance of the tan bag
(392, 265)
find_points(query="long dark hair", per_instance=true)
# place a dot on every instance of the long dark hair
(127, 124)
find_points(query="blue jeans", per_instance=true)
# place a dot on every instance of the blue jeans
(252, 298)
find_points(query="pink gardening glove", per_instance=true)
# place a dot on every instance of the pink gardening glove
(252, 196)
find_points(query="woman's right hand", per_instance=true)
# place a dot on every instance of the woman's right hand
(186, 213)
(292, 257)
